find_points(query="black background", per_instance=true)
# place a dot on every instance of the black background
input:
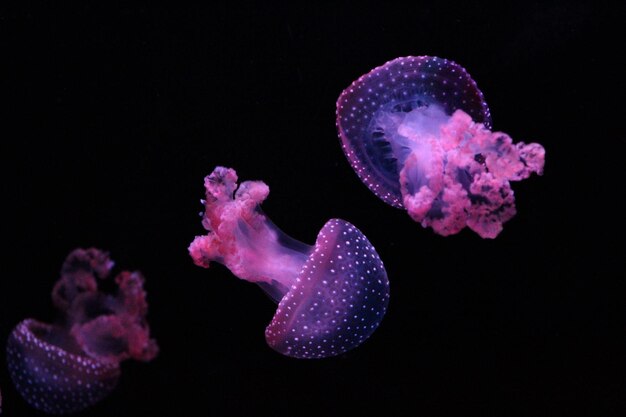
(115, 114)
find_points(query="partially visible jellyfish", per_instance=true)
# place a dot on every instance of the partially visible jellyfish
(67, 366)
(417, 132)
(331, 296)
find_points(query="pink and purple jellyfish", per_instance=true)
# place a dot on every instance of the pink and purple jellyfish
(68, 366)
(331, 296)
(417, 132)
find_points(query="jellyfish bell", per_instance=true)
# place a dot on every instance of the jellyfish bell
(331, 296)
(337, 300)
(67, 366)
(52, 374)
(416, 130)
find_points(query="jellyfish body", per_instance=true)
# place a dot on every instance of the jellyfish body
(331, 296)
(417, 132)
(66, 367)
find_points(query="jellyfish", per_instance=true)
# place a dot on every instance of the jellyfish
(417, 131)
(331, 296)
(67, 366)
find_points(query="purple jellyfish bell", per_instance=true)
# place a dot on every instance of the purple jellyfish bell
(66, 367)
(417, 132)
(331, 296)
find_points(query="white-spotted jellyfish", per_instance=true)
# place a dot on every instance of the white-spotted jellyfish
(70, 365)
(417, 132)
(331, 296)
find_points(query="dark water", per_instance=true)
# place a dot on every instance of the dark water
(115, 115)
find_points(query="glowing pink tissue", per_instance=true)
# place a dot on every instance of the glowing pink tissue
(417, 132)
(69, 366)
(331, 296)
